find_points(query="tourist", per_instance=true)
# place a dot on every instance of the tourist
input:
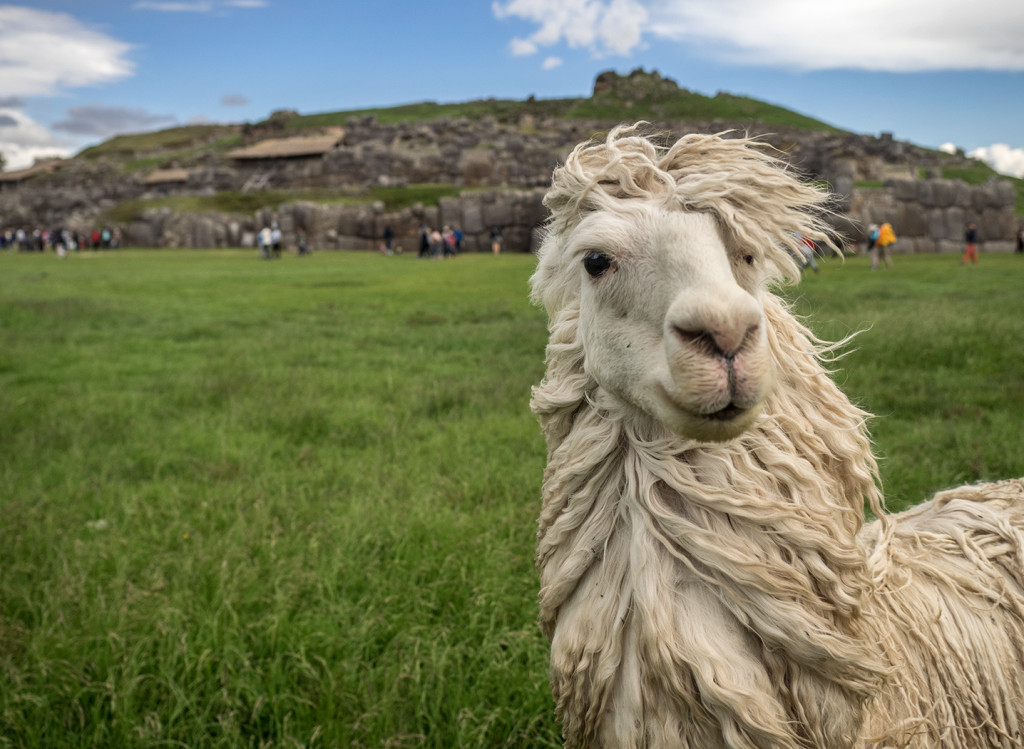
(448, 242)
(435, 245)
(264, 242)
(424, 241)
(275, 240)
(882, 254)
(971, 240)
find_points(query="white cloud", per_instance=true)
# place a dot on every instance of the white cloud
(949, 148)
(622, 26)
(23, 140)
(912, 35)
(551, 63)
(173, 7)
(196, 7)
(1002, 158)
(602, 27)
(522, 47)
(101, 121)
(43, 53)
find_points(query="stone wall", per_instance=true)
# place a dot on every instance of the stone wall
(929, 215)
(519, 213)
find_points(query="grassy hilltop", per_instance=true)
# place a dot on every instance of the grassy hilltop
(637, 96)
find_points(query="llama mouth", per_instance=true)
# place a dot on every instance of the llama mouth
(730, 412)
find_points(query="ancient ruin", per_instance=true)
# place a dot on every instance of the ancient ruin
(501, 166)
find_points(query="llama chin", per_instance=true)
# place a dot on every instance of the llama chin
(707, 579)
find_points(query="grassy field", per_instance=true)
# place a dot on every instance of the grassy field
(251, 504)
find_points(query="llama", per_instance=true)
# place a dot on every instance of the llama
(707, 579)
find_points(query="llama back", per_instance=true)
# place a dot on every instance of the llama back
(949, 589)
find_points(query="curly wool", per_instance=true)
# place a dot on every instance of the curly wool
(726, 594)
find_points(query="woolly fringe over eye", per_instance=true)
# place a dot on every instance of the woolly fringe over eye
(728, 594)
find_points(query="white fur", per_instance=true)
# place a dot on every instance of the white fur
(706, 581)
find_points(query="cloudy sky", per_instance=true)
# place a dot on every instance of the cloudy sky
(933, 72)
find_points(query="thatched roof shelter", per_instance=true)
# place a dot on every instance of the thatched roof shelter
(166, 176)
(286, 148)
(45, 166)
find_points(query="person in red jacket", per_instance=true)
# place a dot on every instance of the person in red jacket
(971, 238)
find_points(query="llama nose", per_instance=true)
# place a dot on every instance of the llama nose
(721, 327)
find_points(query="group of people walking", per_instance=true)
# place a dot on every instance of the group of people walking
(269, 242)
(447, 242)
(440, 245)
(882, 238)
(60, 241)
(880, 241)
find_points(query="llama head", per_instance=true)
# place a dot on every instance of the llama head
(663, 258)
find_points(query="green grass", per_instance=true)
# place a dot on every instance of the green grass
(939, 364)
(169, 139)
(165, 158)
(293, 503)
(685, 105)
(978, 173)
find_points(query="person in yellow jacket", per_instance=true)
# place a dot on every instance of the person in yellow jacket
(881, 253)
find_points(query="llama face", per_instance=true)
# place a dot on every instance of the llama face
(670, 319)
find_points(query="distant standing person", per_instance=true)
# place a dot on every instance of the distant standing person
(389, 241)
(436, 242)
(971, 239)
(882, 254)
(448, 242)
(1020, 239)
(872, 238)
(275, 239)
(424, 241)
(807, 250)
(263, 238)
(496, 239)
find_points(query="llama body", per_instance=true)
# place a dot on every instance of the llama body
(706, 578)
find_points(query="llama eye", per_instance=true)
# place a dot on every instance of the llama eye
(596, 263)
(748, 259)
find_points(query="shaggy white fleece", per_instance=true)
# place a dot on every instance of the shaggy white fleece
(706, 577)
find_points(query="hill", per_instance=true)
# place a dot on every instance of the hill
(416, 156)
(637, 96)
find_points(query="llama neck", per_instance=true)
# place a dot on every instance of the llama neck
(752, 520)
(701, 572)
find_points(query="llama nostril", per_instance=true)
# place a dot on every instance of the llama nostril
(699, 340)
(725, 342)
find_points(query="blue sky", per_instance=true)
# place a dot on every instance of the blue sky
(933, 72)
